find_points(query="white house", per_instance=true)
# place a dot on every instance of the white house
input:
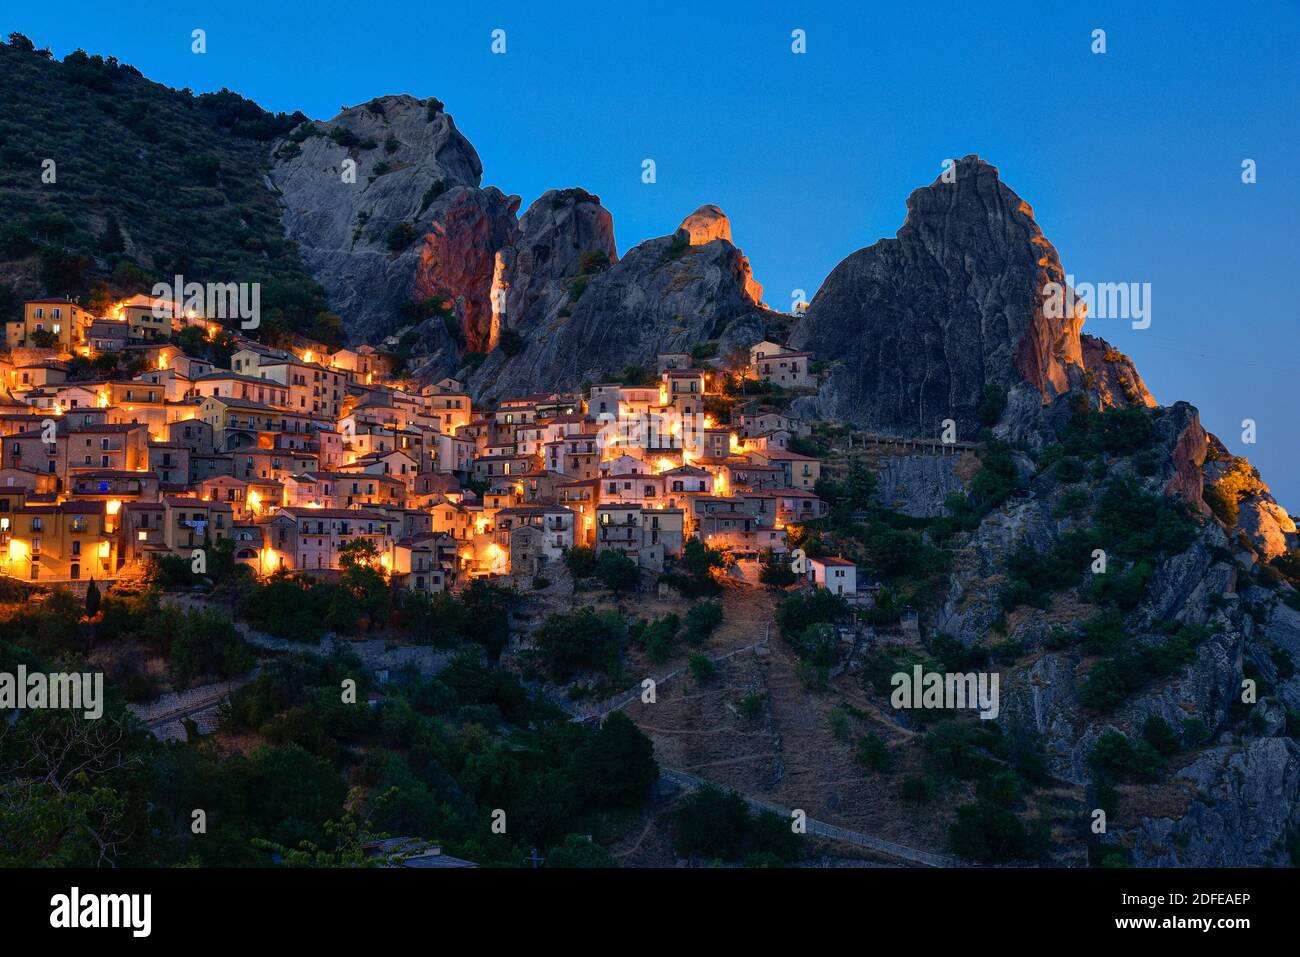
(834, 574)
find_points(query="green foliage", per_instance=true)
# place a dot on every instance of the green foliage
(578, 851)
(1120, 432)
(511, 343)
(776, 572)
(1127, 669)
(693, 573)
(581, 561)
(400, 236)
(1115, 758)
(987, 832)
(198, 206)
(616, 764)
(873, 753)
(917, 789)
(993, 405)
(206, 644)
(657, 638)
(703, 669)
(579, 641)
(702, 619)
(1159, 735)
(798, 611)
(616, 571)
(1069, 470)
(718, 825)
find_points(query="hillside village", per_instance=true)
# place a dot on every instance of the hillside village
(293, 453)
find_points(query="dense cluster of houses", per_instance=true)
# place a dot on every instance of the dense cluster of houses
(291, 454)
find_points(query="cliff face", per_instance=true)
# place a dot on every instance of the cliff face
(580, 314)
(414, 171)
(457, 257)
(925, 320)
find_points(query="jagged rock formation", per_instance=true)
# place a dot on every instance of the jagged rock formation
(458, 257)
(581, 314)
(925, 320)
(428, 181)
(416, 226)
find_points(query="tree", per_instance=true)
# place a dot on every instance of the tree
(616, 571)
(192, 341)
(111, 239)
(797, 612)
(712, 824)
(776, 573)
(581, 561)
(578, 851)
(92, 599)
(699, 560)
(580, 640)
(616, 765)
(985, 832)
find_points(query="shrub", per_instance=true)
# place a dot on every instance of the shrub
(581, 561)
(712, 824)
(616, 571)
(1114, 757)
(511, 343)
(1159, 735)
(702, 668)
(993, 405)
(986, 832)
(702, 619)
(401, 236)
(1069, 470)
(918, 789)
(583, 639)
(839, 722)
(873, 753)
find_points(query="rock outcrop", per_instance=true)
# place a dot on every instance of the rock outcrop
(1112, 376)
(581, 314)
(457, 257)
(923, 321)
(359, 228)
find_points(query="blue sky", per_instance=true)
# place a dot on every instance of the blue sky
(1131, 158)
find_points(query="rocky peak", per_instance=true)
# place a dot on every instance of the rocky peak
(359, 235)
(710, 224)
(955, 301)
(705, 225)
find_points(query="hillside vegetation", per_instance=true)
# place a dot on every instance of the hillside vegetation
(147, 182)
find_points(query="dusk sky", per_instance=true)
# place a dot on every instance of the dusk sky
(1131, 159)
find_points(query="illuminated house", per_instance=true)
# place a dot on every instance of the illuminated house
(187, 522)
(147, 318)
(55, 322)
(236, 422)
(417, 563)
(786, 369)
(648, 536)
(798, 471)
(310, 538)
(63, 542)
